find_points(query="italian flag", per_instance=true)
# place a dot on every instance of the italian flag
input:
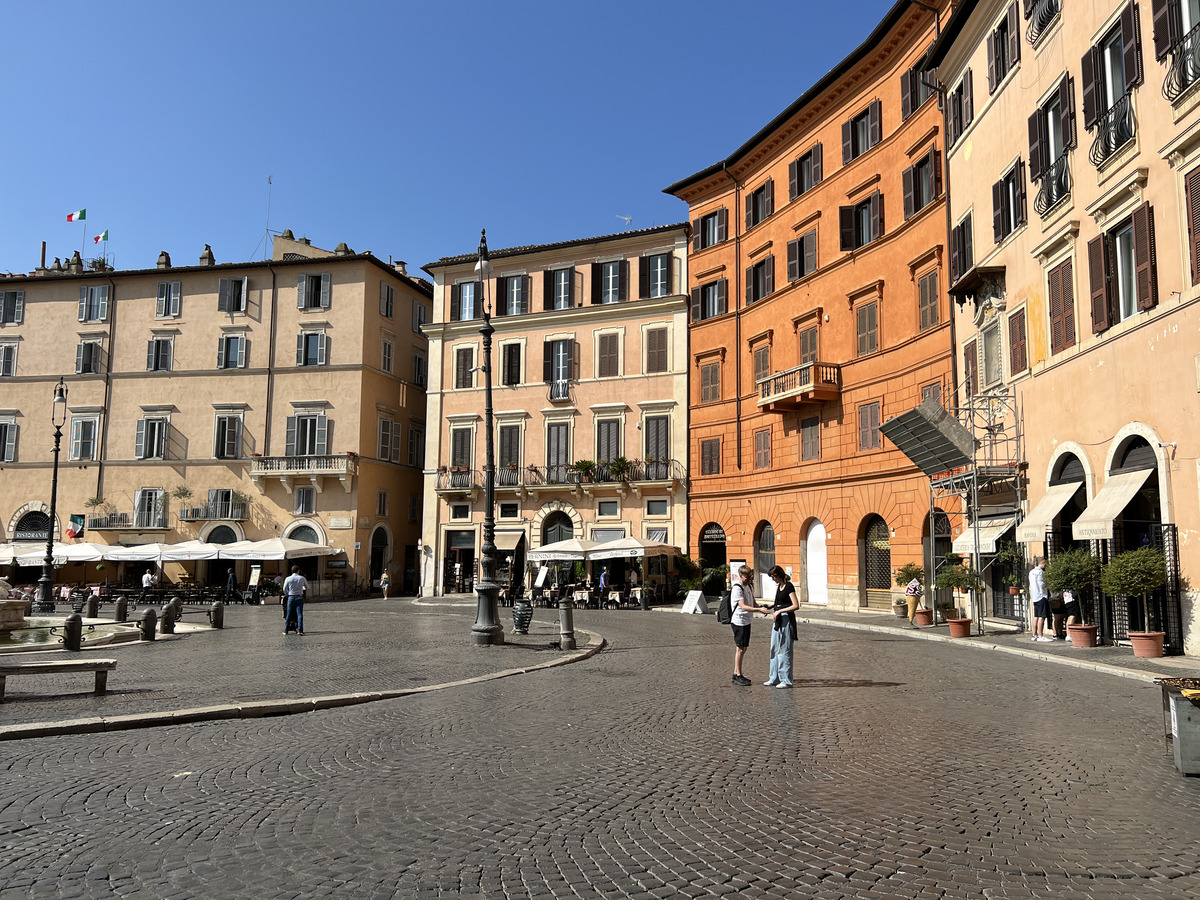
(75, 528)
(77, 216)
(103, 236)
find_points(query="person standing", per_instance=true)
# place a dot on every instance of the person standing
(385, 582)
(744, 608)
(148, 579)
(230, 586)
(783, 634)
(1071, 611)
(1041, 599)
(295, 587)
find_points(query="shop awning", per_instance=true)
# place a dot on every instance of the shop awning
(1033, 527)
(990, 531)
(508, 540)
(1097, 520)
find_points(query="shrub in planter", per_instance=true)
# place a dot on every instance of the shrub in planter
(1138, 573)
(1072, 570)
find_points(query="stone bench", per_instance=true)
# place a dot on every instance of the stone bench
(100, 666)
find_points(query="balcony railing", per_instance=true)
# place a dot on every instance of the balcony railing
(234, 512)
(638, 472)
(331, 464)
(1183, 65)
(459, 480)
(1041, 17)
(809, 383)
(559, 391)
(110, 522)
(1114, 130)
(150, 520)
(1055, 186)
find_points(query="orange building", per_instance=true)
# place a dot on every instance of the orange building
(817, 275)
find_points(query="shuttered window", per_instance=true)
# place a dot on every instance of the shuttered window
(558, 289)
(314, 291)
(810, 439)
(971, 369)
(658, 443)
(710, 229)
(460, 447)
(1061, 288)
(83, 438)
(655, 276)
(609, 363)
(709, 300)
(227, 437)
(1008, 202)
(862, 132)
(510, 445)
(862, 223)
(464, 361)
(557, 444)
(710, 382)
(760, 203)
(158, 355)
(808, 345)
(914, 91)
(1192, 194)
(867, 316)
(962, 254)
(308, 435)
(511, 364)
(760, 279)
(168, 300)
(610, 281)
(416, 446)
(12, 307)
(802, 255)
(608, 439)
(466, 301)
(1018, 359)
(656, 350)
(387, 300)
(927, 300)
(1004, 47)
(1122, 270)
(805, 173)
(762, 363)
(232, 294)
(922, 183)
(868, 426)
(960, 108)
(762, 449)
(710, 456)
(514, 295)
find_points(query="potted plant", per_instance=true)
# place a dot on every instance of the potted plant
(900, 607)
(619, 467)
(1012, 556)
(1137, 573)
(94, 502)
(958, 575)
(183, 492)
(905, 575)
(1075, 571)
(584, 468)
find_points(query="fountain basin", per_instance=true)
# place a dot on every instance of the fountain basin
(12, 614)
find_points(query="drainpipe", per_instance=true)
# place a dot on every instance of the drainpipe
(737, 308)
(270, 366)
(102, 455)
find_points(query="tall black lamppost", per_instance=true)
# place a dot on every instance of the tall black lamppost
(487, 628)
(58, 418)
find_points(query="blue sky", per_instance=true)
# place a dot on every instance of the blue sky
(399, 128)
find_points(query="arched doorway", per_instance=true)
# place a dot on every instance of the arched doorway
(557, 527)
(816, 563)
(1138, 524)
(1068, 470)
(764, 557)
(875, 564)
(379, 553)
(215, 570)
(34, 526)
(713, 553)
(307, 564)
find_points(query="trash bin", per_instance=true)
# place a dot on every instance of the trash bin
(1181, 722)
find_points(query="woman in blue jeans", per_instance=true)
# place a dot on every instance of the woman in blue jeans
(783, 633)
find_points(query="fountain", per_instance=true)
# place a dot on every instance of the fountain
(12, 612)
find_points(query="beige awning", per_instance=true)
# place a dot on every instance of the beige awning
(508, 540)
(1034, 525)
(1097, 520)
(990, 531)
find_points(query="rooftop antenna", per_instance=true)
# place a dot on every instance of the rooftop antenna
(628, 220)
(265, 240)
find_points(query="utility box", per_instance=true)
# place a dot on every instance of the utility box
(1181, 723)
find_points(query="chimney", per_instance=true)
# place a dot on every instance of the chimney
(287, 235)
(75, 266)
(57, 267)
(342, 250)
(401, 266)
(206, 258)
(43, 264)
(164, 260)
(304, 241)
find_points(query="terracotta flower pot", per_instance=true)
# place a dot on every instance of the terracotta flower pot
(1147, 644)
(1014, 591)
(900, 611)
(1082, 635)
(924, 617)
(959, 628)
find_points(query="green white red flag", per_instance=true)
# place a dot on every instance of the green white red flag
(103, 236)
(75, 528)
(78, 216)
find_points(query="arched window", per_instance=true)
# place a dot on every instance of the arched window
(764, 548)
(305, 533)
(557, 527)
(33, 526)
(876, 561)
(1137, 454)
(222, 534)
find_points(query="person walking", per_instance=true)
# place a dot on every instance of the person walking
(230, 586)
(744, 608)
(385, 582)
(148, 579)
(783, 633)
(295, 587)
(1041, 599)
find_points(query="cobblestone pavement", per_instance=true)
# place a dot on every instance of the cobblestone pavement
(894, 769)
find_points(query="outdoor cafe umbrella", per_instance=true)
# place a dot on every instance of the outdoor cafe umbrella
(137, 553)
(570, 549)
(186, 551)
(8, 554)
(630, 547)
(275, 548)
(63, 554)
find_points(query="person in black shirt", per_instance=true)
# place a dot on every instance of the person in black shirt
(783, 634)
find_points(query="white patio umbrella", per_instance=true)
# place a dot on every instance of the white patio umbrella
(629, 548)
(63, 554)
(186, 551)
(276, 548)
(137, 553)
(570, 549)
(8, 553)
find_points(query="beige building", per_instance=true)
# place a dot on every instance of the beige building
(277, 398)
(1074, 165)
(590, 398)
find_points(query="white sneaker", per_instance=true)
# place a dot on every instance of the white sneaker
(1045, 640)
(782, 685)
(770, 683)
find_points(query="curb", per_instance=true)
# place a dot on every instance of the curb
(264, 708)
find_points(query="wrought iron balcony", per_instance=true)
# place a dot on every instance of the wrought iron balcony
(1041, 17)
(110, 522)
(142, 520)
(1055, 186)
(1183, 65)
(232, 512)
(559, 391)
(458, 480)
(1114, 130)
(813, 382)
(287, 469)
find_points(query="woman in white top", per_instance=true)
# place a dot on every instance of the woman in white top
(742, 597)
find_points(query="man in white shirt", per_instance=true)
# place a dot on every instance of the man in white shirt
(295, 588)
(148, 579)
(1040, 598)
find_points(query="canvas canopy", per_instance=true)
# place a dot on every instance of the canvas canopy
(631, 547)
(570, 549)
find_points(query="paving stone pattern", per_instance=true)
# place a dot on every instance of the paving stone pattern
(894, 769)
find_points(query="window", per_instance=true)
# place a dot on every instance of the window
(932, 392)
(1174, 37)
(93, 303)
(1192, 205)
(8, 440)
(558, 289)
(867, 317)
(460, 511)
(231, 351)
(460, 447)
(927, 300)
(962, 255)
(914, 91)
(609, 509)
(922, 183)
(227, 437)
(1041, 15)
(1004, 47)
(560, 359)
(710, 382)
(381, 503)
(609, 281)
(960, 109)
(420, 368)
(862, 132)
(153, 435)
(508, 511)
(389, 440)
(808, 345)
(862, 223)
(710, 229)
(514, 295)
(414, 508)
(158, 355)
(762, 363)
(12, 307)
(387, 299)
(510, 448)
(307, 435)
(1061, 288)
(306, 501)
(708, 300)
(464, 362)
(386, 349)
(656, 507)
(810, 439)
(420, 315)
(802, 256)
(655, 276)
(710, 456)
(1051, 134)
(89, 358)
(760, 279)
(510, 364)
(168, 300)
(868, 426)
(83, 437)
(8, 360)
(657, 446)
(1017, 356)
(558, 452)
(656, 350)
(992, 371)
(312, 348)
(762, 448)
(232, 294)
(971, 369)
(1123, 270)
(608, 364)
(1008, 202)
(804, 173)
(466, 301)
(313, 291)
(1110, 71)
(608, 439)
(416, 446)
(150, 508)
(760, 203)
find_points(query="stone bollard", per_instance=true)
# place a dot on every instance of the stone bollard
(72, 632)
(216, 615)
(167, 619)
(178, 604)
(146, 624)
(644, 600)
(566, 623)
(122, 611)
(92, 607)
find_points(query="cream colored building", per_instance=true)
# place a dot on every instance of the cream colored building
(589, 362)
(1074, 171)
(275, 398)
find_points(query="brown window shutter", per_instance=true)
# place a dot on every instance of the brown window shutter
(909, 203)
(793, 259)
(847, 141)
(526, 290)
(956, 268)
(968, 100)
(1055, 290)
(455, 302)
(793, 179)
(597, 282)
(935, 166)
(769, 198)
(1098, 276)
(971, 368)
(722, 296)
(722, 224)
(809, 243)
(608, 355)
(1166, 26)
(1088, 68)
(478, 300)
(573, 359)
(1016, 343)
(846, 229)
(696, 236)
(768, 275)
(808, 345)
(1131, 46)
(750, 209)
(968, 252)
(1144, 263)
(1014, 35)
(1019, 195)
(1192, 198)
(991, 49)
(817, 173)
(644, 277)
(1068, 303)
(998, 199)
(623, 281)
(875, 122)
(547, 361)
(1035, 144)
(751, 296)
(906, 89)
(1066, 102)
(876, 216)
(696, 306)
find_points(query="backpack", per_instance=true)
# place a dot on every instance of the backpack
(725, 608)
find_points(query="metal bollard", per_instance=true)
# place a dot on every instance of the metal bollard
(92, 607)
(72, 632)
(167, 622)
(122, 612)
(146, 624)
(566, 623)
(522, 613)
(216, 614)
(178, 605)
(644, 600)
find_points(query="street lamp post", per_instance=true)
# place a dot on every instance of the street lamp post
(487, 628)
(58, 418)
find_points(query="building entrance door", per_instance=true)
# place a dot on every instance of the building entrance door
(816, 565)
